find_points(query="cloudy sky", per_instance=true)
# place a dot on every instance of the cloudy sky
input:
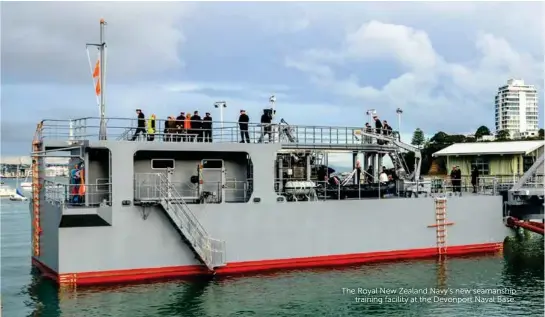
(326, 63)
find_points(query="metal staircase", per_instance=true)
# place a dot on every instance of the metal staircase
(532, 179)
(415, 175)
(398, 161)
(210, 251)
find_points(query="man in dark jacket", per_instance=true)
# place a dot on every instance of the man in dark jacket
(459, 178)
(378, 125)
(141, 126)
(180, 126)
(369, 175)
(266, 128)
(207, 127)
(455, 179)
(387, 128)
(474, 178)
(196, 126)
(243, 120)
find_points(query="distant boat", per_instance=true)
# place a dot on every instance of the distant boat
(26, 185)
(18, 196)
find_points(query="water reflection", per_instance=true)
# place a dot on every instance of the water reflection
(43, 293)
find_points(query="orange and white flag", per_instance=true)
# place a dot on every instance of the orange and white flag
(96, 74)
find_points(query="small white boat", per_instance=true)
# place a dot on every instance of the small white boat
(17, 197)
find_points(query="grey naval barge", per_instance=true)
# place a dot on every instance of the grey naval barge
(136, 210)
(155, 209)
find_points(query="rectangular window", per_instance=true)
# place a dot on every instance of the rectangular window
(482, 165)
(212, 164)
(162, 164)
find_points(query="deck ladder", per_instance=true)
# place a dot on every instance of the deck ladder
(440, 224)
(210, 251)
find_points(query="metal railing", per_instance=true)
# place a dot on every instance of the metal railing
(325, 190)
(157, 187)
(226, 132)
(74, 195)
(146, 189)
(485, 184)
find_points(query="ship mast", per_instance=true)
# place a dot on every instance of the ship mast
(102, 48)
(101, 97)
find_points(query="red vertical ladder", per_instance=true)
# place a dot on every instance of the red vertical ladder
(441, 225)
(37, 164)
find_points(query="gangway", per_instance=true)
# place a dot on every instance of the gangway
(208, 250)
(415, 175)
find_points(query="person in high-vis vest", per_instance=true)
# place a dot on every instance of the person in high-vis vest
(151, 128)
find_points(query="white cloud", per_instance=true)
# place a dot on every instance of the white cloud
(431, 89)
(46, 40)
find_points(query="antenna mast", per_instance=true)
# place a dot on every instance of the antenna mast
(100, 85)
(102, 48)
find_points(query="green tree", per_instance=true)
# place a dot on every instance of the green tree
(502, 135)
(418, 137)
(482, 130)
(540, 134)
(439, 138)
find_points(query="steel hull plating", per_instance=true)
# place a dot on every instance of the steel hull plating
(265, 236)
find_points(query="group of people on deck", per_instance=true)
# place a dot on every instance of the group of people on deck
(184, 127)
(456, 178)
(381, 127)
(188, 128)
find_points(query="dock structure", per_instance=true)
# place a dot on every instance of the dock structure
(525, 200)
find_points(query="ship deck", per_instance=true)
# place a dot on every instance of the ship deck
(58, 134)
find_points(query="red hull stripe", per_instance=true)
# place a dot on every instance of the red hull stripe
(132, 275)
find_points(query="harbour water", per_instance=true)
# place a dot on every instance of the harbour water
(507, 284)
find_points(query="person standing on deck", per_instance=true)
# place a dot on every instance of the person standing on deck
(151, 128)
(207, 127)
(378, 125)
(358, 172)
(474, 177)
(243, 120)
(383, 177)
(170, 129)
(187, 127)
(266, 128)
(387, 128)
(454, 179)
(370, 177)
(141, 127)
(368, 129)
(180, 126)
(196, 126)
(459, 178)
